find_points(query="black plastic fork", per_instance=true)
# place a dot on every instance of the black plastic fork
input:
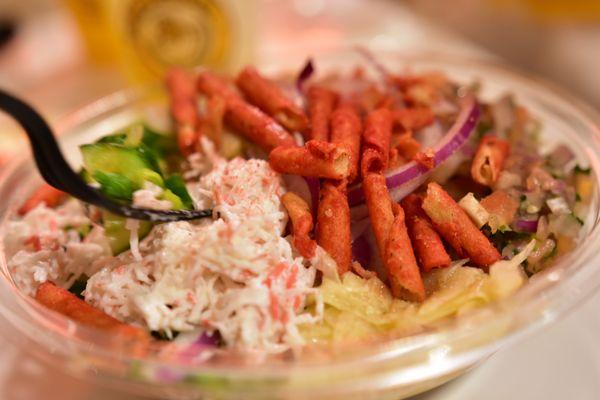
(58, 173)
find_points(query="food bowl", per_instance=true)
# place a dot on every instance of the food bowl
(391, 367)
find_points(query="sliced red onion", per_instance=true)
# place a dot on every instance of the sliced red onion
(526, 225)
(202, 346)
(405, 179)
(468, 150)
(208, 339)
(304, 74)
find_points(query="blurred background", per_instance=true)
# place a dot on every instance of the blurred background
(61, 54)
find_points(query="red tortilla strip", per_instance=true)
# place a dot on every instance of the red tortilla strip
(387, 218)
(321, 102)
(379, 205)
(425, 158)
(377, 133)
(243, 117)
(214, 85)
(489, 160)
(316, 159)
(333, 224)
(406, 145)
(399, 260)
(302, 223)
(184, 108)
(414, 118)
(395, 159)
(371, 162)
(422, 89)
(211, 124)
(66, 303)
(369, 99)
(257, 126)
(451, 221)
(270, 98)
(404, 148)
(426, 241)
(345, 132)
(44, 194)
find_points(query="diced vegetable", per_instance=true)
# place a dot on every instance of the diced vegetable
(114, 185)
(118, 235)
(475, 210)
(120, 160)
(121, 163)
(176, 185)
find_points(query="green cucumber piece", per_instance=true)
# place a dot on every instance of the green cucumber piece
(120, 160)
(176, 185)
(118, 234)
(117, 138)
(176, 203)
(114, 185)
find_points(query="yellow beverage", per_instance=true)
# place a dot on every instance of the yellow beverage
(143, 38)
(559, 10)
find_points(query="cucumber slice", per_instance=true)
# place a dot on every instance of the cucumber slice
(117, 138)
(114, 185)
(120, 160)
(176, 185)
(118, 234)
(176, 202)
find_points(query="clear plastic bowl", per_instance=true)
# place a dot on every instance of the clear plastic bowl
(391, 368)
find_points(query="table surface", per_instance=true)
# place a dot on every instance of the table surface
(558, 362)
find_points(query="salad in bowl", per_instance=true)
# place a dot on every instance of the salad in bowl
(350, 207)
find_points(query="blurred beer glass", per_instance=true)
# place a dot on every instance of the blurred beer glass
(143, 38)
(558, 11)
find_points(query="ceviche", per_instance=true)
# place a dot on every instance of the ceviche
(345, 205)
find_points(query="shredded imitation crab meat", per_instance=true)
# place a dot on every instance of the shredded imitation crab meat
(236, 274)
(46, 245)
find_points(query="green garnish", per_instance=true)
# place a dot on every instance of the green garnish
(581, 170)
